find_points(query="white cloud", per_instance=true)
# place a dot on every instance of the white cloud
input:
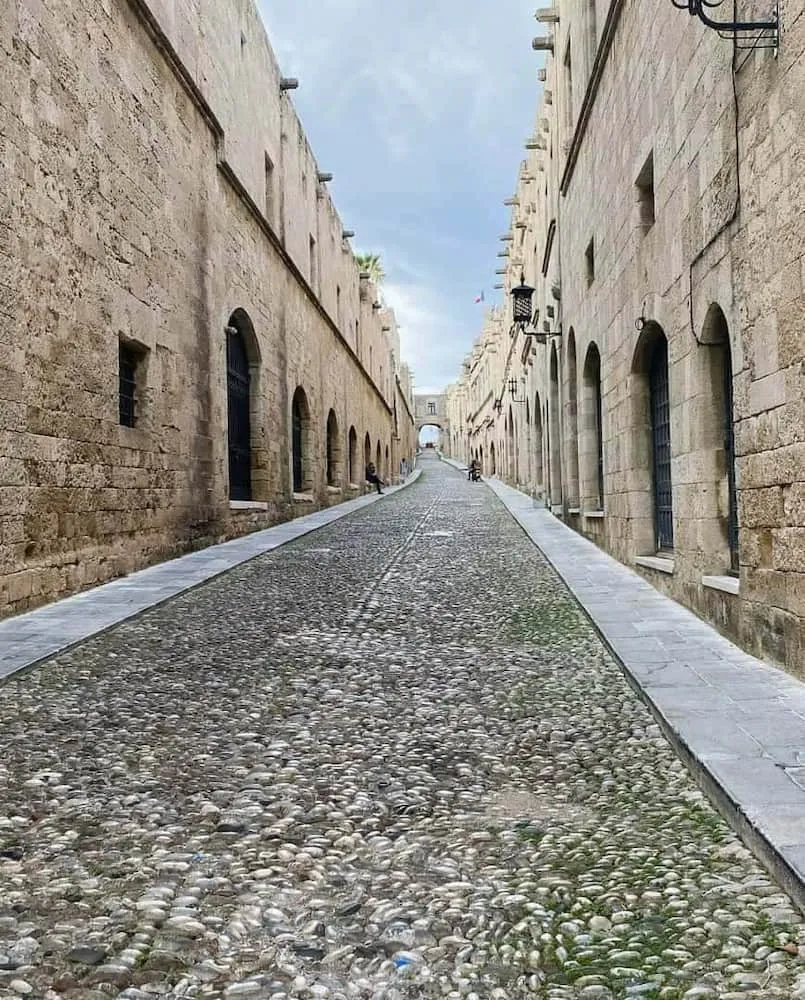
(427, 333)
(420, 109)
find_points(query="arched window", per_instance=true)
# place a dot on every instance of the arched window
(242, 372)
(572, 424)
(301, 443)
(554, 449)
(592, 432)
(334, 473)
(661, 445)
(354, 471)
(651, 399)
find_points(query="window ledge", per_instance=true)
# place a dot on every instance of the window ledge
(729, 584)
(247, 505)
(662, 564)
(595, 514)
(303, 497)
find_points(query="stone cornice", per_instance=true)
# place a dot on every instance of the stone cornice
(590, 94)
(172, 58)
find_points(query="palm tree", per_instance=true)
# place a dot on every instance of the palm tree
(369, 263)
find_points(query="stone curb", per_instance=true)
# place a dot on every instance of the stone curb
(29, 638)
(736, 722)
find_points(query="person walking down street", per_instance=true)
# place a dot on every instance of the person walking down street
(373, 478)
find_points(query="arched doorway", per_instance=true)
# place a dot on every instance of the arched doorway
(651, 400)
(571, 423)
(300, 443)
(379, 460)
(592, 432)
(429, 436)
(353, 456)
(511, 449)
(367, 450)
(539, 468)
(554, 448)
(333, 451)
(241, 359)
(493, 470)
(715, 439)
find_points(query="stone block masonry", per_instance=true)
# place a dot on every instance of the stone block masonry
(660, 216)
(187, 351)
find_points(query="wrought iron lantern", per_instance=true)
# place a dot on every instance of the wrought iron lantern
(524, 318)
(747, 34)
(522, 295)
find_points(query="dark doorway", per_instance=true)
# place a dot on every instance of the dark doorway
(333, 451)
(238, 404)
(300, 418)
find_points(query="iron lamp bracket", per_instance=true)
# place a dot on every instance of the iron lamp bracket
(747, 34)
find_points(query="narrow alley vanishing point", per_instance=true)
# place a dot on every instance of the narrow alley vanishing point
(391, 759)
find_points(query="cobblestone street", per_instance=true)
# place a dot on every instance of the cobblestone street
(391, 759)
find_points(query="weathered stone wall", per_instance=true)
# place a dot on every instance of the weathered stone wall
(717, 270)
(137, 207)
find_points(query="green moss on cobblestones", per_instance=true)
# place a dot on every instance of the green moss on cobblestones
(398, 734)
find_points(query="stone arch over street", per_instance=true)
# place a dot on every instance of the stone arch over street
(430, 410)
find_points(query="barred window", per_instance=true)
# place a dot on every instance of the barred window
(129, 359)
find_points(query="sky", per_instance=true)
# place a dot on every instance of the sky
(420, 108)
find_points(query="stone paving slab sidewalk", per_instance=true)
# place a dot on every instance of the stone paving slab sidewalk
(36, 635)
(738, 722)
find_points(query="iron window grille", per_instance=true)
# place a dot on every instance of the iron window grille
(599, 430)
(239, 422)
(661, 448)
(128, 363)
(729, 455)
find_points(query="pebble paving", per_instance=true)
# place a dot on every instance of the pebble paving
(389, 760)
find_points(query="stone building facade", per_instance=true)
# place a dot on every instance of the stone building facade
(657, 400)
(187, 349)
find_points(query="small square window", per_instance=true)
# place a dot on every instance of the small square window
(589, 262)
(645, 194)
(131, 373)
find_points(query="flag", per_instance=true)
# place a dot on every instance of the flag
(479, 298)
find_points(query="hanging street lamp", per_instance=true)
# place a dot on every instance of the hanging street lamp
(524, 318)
